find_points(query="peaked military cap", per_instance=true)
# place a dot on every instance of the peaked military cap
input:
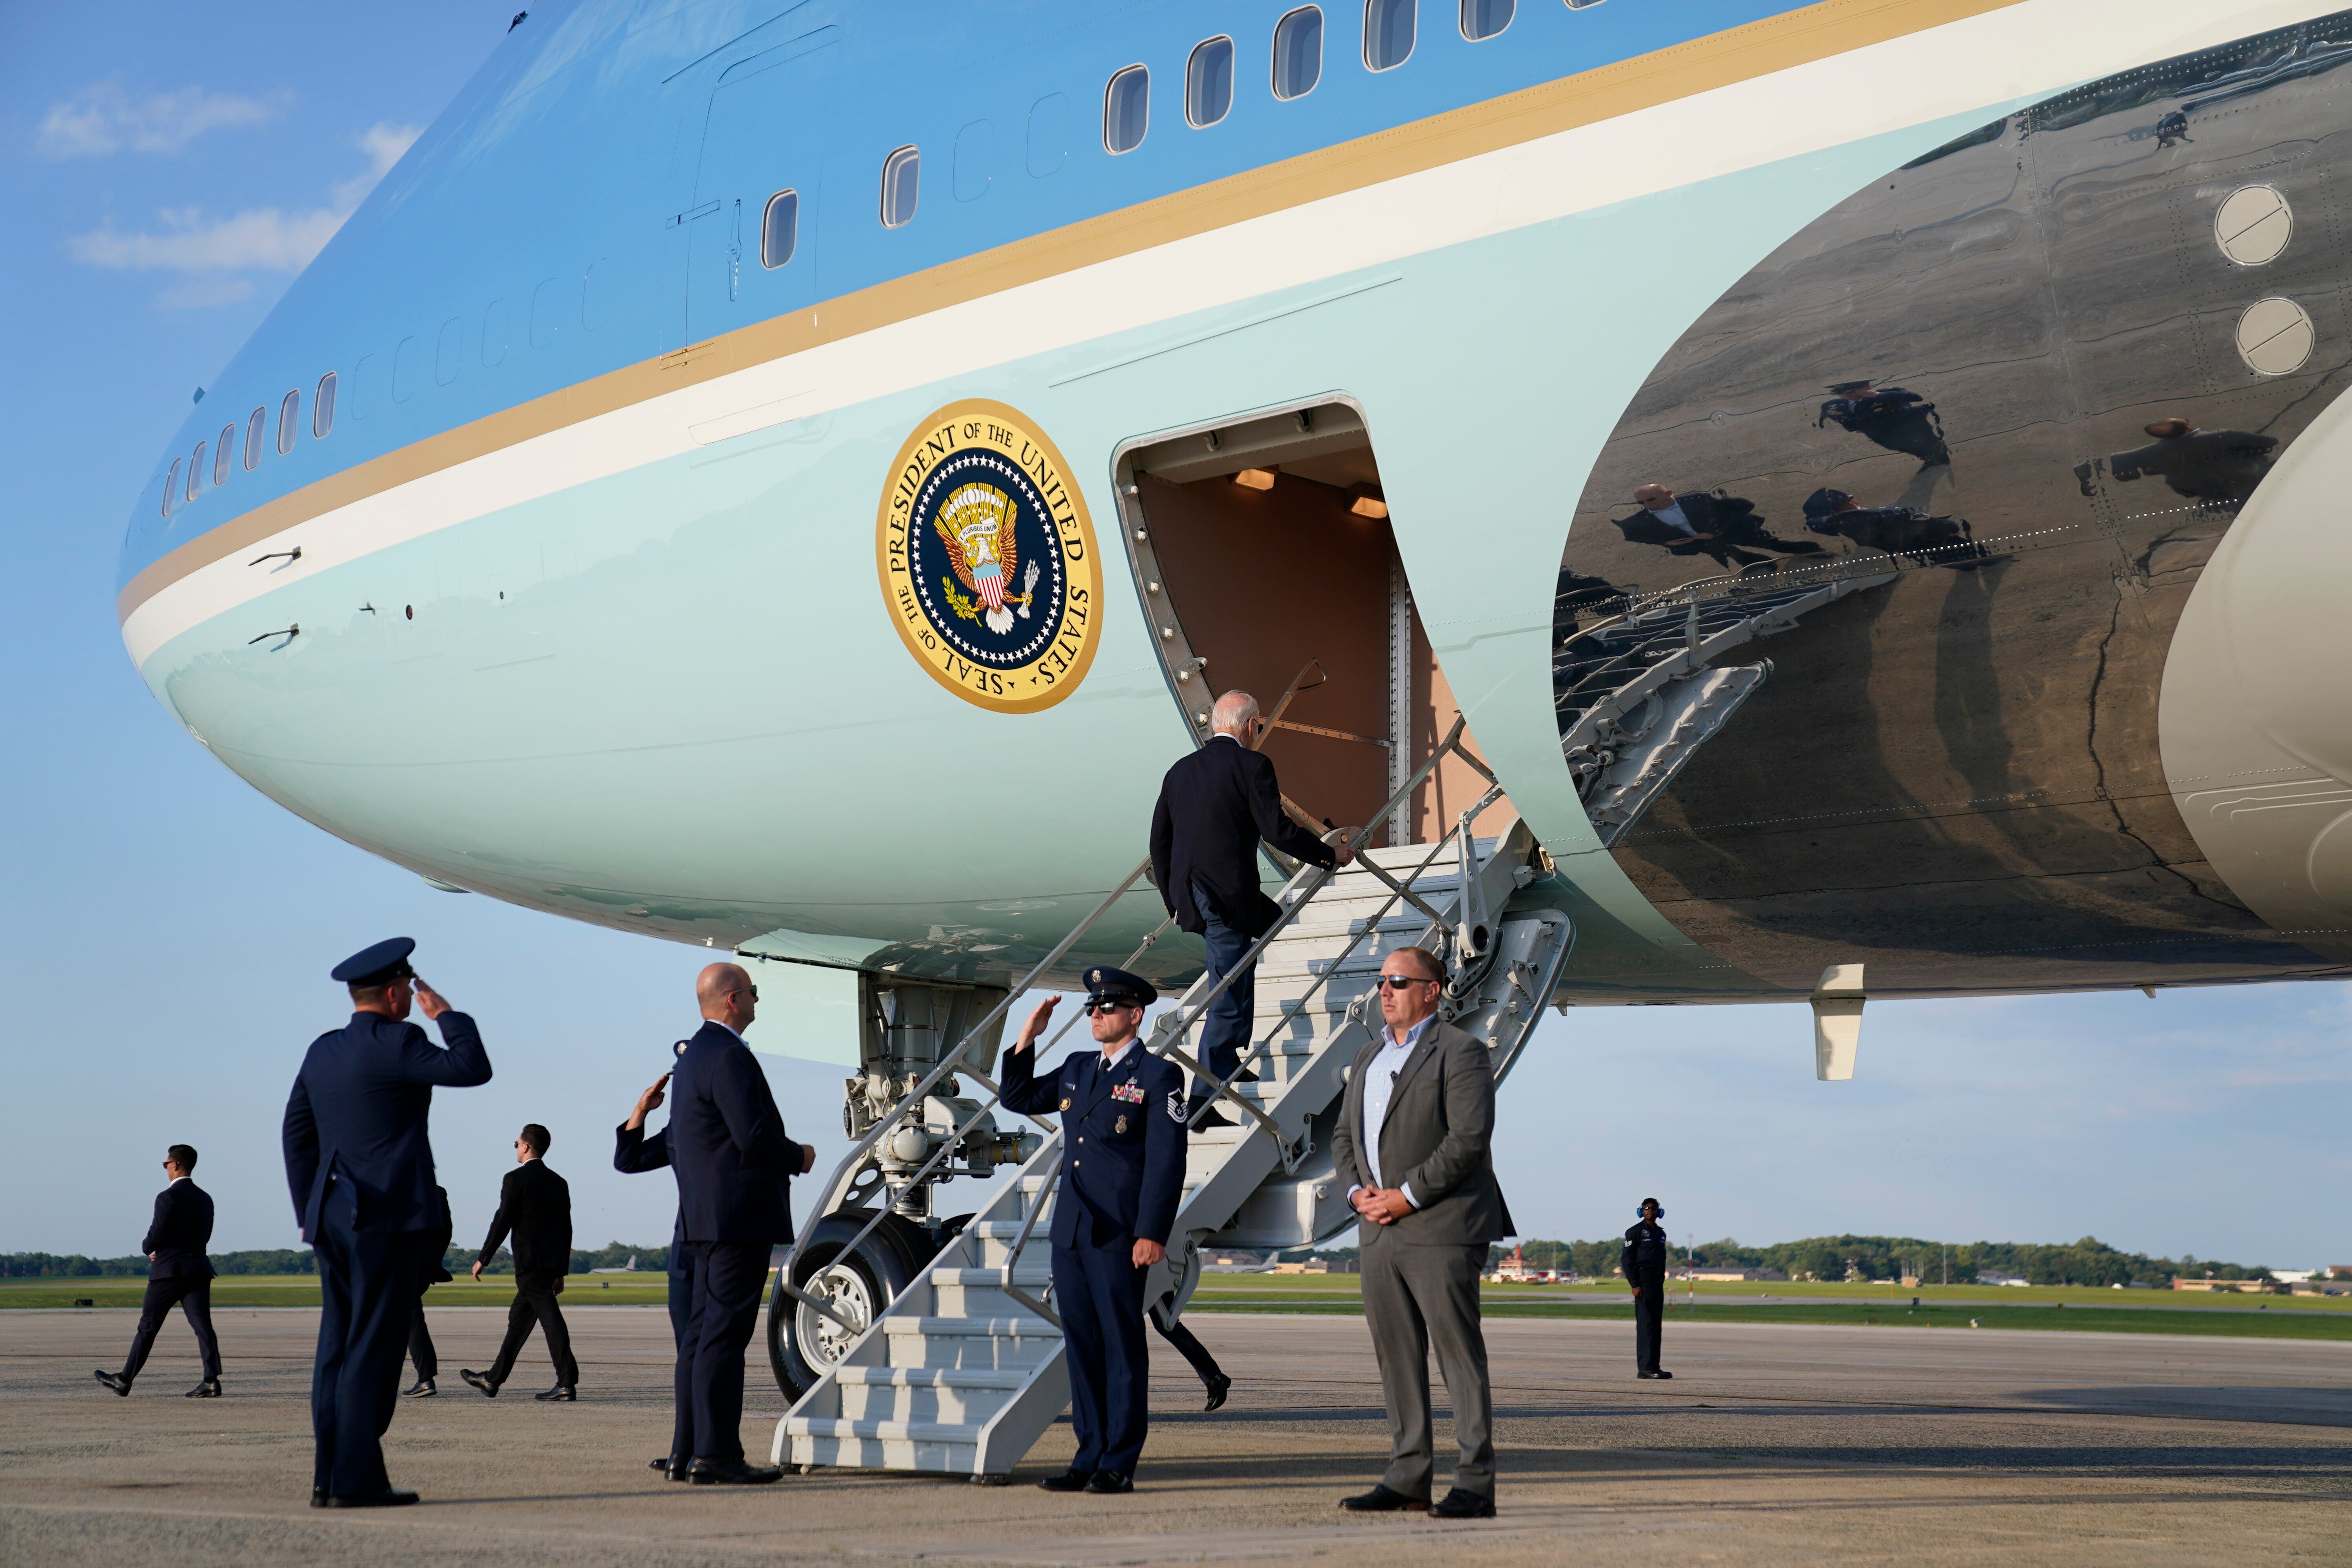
(1106, 985)
(385, 962)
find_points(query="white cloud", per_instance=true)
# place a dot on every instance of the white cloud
(259, 239)
(103, 119)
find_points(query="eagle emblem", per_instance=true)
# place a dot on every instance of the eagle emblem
(1065, 1103)
(976, 528)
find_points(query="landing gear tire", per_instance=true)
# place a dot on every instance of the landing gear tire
(803, 1345)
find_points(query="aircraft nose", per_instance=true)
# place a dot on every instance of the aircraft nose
(2255, 718)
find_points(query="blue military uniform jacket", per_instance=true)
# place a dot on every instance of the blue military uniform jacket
(358, 1114)
(1122, 1142)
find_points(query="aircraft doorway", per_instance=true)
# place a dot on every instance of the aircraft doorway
(1264, 555)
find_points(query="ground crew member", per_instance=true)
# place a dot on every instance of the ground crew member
(1123, 1140)
(178, 1270)
(359, 1162)
(1894, 418)
(1645, 1275)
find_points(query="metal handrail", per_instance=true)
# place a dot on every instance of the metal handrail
(1174, 1025)
(1028, 1224)
(852, 1162)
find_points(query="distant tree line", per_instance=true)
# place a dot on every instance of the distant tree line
(2089, 1261)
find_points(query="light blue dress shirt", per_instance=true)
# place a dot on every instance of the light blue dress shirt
(1380, 1082)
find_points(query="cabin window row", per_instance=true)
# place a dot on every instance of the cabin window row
(188, 479)
(1295, 68)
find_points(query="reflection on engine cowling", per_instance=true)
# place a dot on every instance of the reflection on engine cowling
(1954, 457)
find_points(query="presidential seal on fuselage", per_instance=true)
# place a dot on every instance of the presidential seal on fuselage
(988, 560)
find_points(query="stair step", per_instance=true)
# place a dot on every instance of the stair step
(970, 1327)
(930, 1377)
(1040, 1274)
(880, 1431)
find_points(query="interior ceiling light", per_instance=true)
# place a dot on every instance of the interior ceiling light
(1366, 502)
(1256, 478)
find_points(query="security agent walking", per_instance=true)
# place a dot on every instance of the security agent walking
(426, 1360)
(1644, 1263)
(1123, 1140)
(179, 1272)
(635, 1153)
(535, 1204)
(734, 1168)
(1412, 1139)
(1214, 807)
(359, 1162)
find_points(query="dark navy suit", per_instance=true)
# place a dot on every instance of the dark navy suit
(734, 1168)
(634, 1154)
(181, 1274)
(359, 1165)
(1214, 807)
(1122, 1173)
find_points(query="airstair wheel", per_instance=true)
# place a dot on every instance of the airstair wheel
(803, 1343)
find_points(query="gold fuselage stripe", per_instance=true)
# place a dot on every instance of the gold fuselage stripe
(1721, 59)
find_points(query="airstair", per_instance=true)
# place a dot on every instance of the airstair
(962, 1372)
(1637, 694)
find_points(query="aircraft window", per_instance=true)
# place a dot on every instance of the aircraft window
(1298, 52)
(289, 410)
(780, 228)
(172, 487)
(901, 175)
(1580, 4)
(195, 470)
(1209, 83)
(1482, 19)
(1127, 109)
(223, 454)
(1388, 33)
(253, 428)
(322, 408)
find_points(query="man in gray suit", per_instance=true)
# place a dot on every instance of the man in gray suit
(1412, 1139)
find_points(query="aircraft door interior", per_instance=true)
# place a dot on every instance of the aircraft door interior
(1265, 557)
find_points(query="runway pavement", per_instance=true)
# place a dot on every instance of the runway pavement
(1772, 1442)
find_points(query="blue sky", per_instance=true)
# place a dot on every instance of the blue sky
(165, 932)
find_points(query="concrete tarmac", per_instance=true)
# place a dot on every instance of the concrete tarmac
(1772, 1443)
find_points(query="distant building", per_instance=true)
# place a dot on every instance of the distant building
(2231, 1287)
(1734, 1274)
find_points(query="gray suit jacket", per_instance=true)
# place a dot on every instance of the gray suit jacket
(1440, 1119)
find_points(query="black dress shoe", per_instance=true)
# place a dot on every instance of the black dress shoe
(674, 1465)
(421, 1389)
(731, 1473)
(560, 1394)
(1459, 1504)
(388, 1498)
(475, 1380)
(1109, 1483)
(1662, 1375)
(208, 1389)
(114, 1380)
(1219, 1387)
(1067, 1482)
(1380, 1500)
(318, 1497)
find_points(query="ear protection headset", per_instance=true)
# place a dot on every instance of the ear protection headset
(1649, 1204)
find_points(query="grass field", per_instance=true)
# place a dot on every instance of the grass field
(302, 1290)
(1991, 1307)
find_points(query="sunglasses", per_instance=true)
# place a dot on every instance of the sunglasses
(1399, 981)
(1109, 1006)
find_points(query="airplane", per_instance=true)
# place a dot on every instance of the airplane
(1833, 500)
